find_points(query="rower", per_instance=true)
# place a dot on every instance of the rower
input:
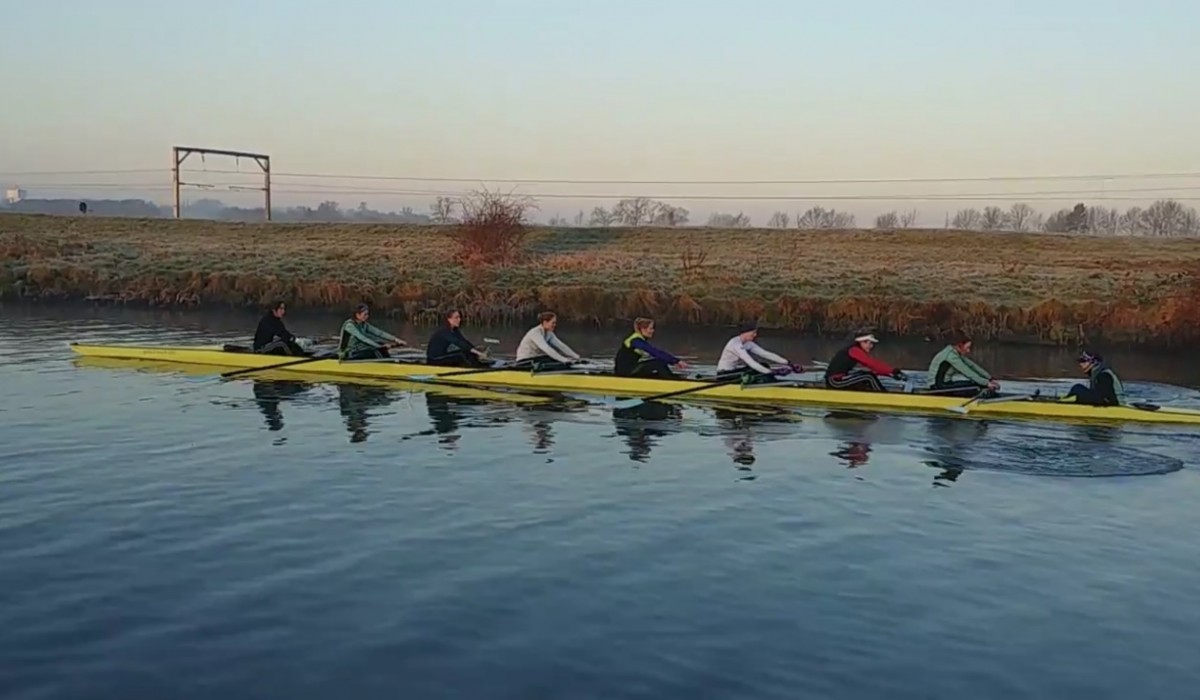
(1104, 388)
(272, 337)
(448, 348)
(362, 341)
(737, 358)
(952, 373)
(853, 367)
(541, 349)
(638, 358)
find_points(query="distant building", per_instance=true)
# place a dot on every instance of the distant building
(14, 194)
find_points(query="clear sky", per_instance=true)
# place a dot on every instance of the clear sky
(625, 90)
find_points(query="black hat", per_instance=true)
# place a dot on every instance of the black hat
(1087, 357)
(747, 326)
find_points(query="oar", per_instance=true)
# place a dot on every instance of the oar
(962, 408)
(630, 403)
(248, 370)
(999, 399)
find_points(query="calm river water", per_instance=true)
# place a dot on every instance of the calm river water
(167, 535)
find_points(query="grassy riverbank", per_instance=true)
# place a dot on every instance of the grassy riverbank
(1052, 288)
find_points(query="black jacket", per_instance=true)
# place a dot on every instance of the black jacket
(270, 328)
(446, 341)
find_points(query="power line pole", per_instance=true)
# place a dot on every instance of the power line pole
(180, 154)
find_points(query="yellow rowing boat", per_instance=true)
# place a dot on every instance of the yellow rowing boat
(598, 382)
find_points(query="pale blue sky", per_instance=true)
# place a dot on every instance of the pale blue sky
(615, 89)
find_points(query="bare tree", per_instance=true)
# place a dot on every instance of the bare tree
(442, 210)
(493, 227)
(666, 215)
(994, 219)
(1022, 217)
(779, 219)
(721, 220)
(1131, 222)
(603, 217)
(1103, 221)
(635, 211)
(908, 219)
(558, 221)
(1167, 217)
(967, 220)
(888, 220)
(822, 218)
(579, 219)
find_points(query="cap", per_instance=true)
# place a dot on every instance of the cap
(747, 326)
(1086, 357)
(862, 337)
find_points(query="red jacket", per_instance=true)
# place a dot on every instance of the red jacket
(864, 358)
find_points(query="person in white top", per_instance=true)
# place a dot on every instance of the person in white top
(542, 348)
(738, 356)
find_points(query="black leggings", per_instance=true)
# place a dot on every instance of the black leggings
(748, 376)
(651, 369)
(540, 364)
(282, 347)
(855, 381)
(1088, 396)
(369, 354)
(965, 389)
(458, 359)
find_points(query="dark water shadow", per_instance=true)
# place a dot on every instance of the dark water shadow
(642, 426)
(269, 395)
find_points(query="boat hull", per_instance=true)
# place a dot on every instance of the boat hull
(608, 385)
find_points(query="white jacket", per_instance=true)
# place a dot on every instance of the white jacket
(738, 355)
(542, 343)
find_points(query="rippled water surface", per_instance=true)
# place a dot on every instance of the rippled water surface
(166, 534)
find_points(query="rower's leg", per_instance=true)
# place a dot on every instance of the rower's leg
(368, 354)
(275, 347)
(856, 381)
(963, 389)
(1083, 394)
(652, 369)
(452, 360)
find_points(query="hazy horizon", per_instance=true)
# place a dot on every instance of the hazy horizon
(621, 92)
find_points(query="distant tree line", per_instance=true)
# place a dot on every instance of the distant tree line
(325, 212)
(1164, 217)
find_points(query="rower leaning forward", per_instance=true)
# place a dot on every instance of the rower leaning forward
(542, 350)
(360, 340)
(854, 368)
(638, 357)
(740, 358)
(448, 347)
(953, 373)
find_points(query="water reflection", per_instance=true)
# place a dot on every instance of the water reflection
(643, 425)
(954, 440)
(741, 426)
(269, 394)
(355, 402)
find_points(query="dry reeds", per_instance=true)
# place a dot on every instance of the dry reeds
(1060, 289)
